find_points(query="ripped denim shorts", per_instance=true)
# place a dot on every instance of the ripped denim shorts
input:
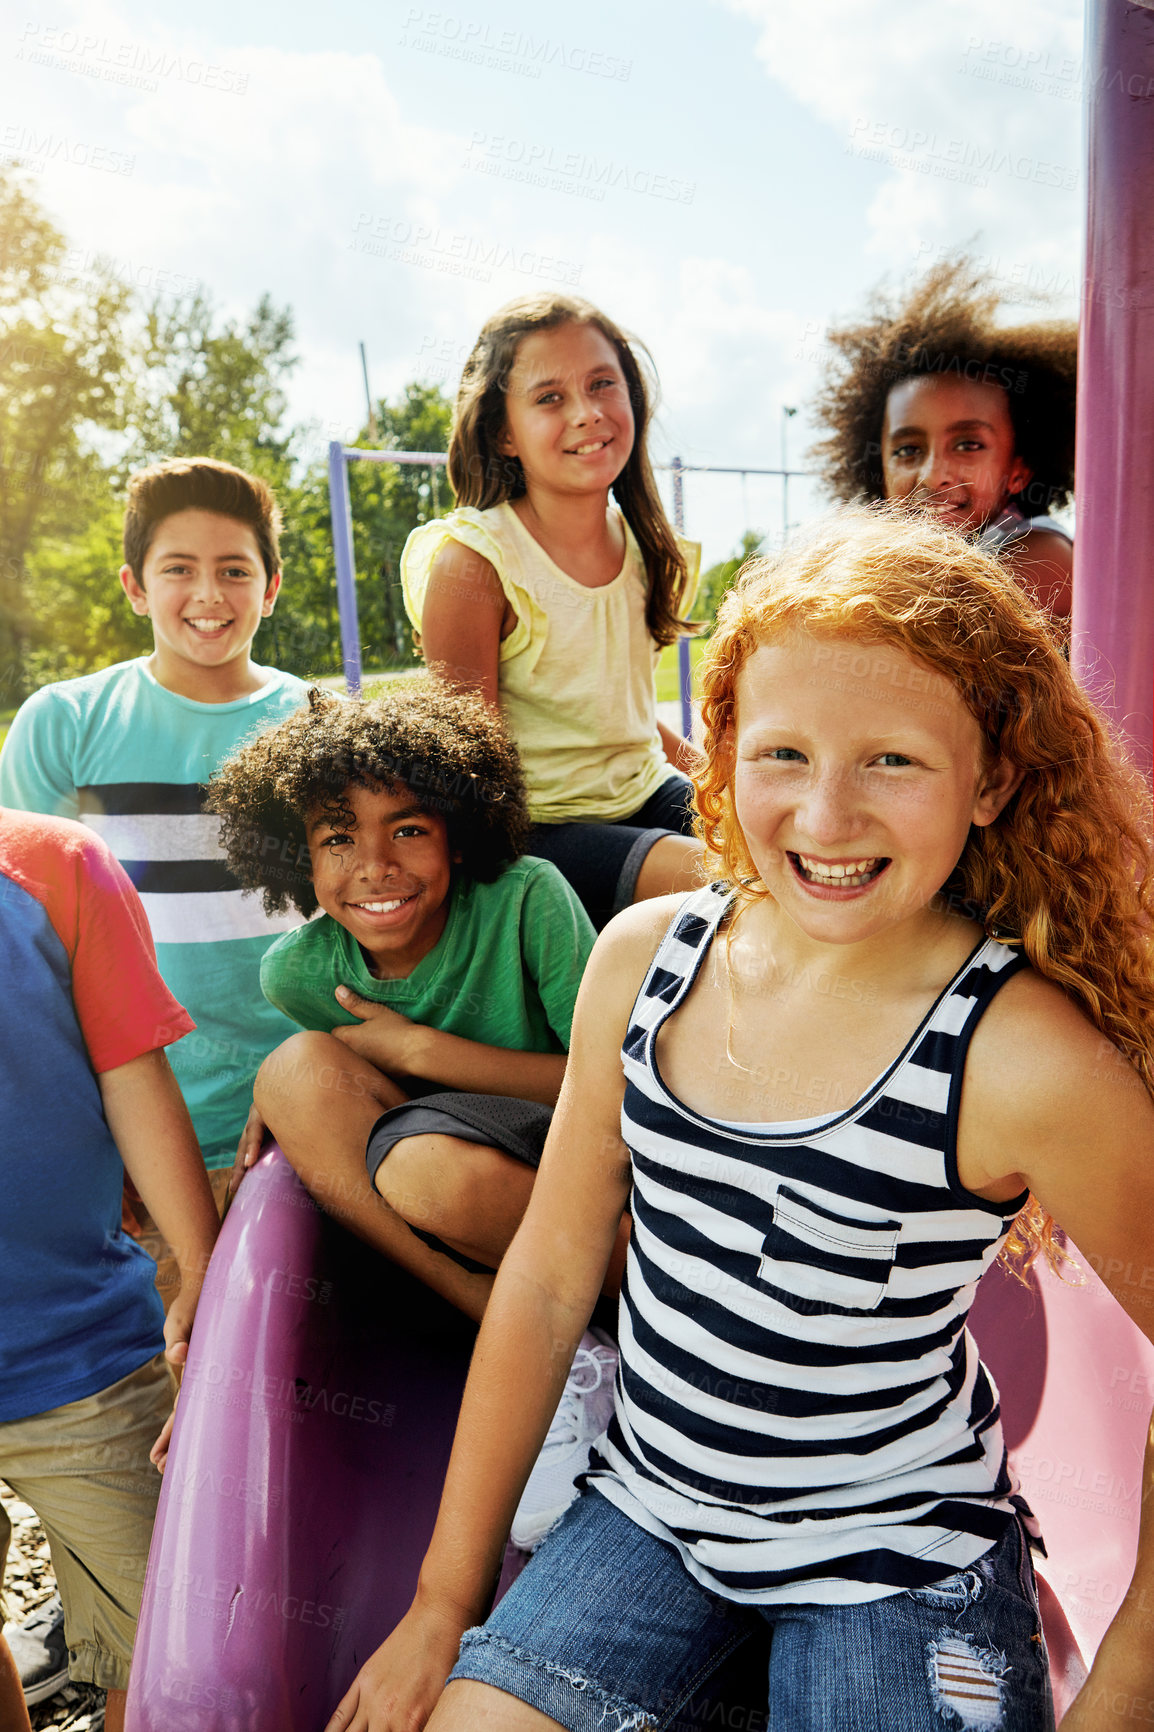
(606, 1631)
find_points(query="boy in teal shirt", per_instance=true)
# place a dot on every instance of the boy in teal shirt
(129, 749)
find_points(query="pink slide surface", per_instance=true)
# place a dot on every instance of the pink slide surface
(1076, 1379)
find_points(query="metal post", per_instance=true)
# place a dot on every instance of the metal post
(1113, 626)
(787, 415)
(368, 394)
(684, 669)
(341, 512)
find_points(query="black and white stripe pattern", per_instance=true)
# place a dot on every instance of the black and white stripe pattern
(800, 1407)
(170, 848)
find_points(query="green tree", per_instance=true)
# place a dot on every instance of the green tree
(208, 392)
(190, 389)
(717, 579)
(94, 385)
(388, 501)
(64, 383)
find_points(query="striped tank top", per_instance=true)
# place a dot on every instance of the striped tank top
(800, 1408)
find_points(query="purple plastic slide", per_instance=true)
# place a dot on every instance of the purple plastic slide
(312, 1435)
(1076, 1379)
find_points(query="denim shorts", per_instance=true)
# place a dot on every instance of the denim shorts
(605, 1629)
(602, 861)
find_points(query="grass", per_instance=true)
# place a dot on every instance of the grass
(668, 680)
(377, 680)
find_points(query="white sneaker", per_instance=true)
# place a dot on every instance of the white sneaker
(585, 1410)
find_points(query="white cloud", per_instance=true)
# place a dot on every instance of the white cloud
(973, 109)
(323, 178)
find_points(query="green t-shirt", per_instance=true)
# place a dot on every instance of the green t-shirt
(505, 970)
(130, 758)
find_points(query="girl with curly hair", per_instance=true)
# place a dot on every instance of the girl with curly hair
(929, 400)
(911, 1019)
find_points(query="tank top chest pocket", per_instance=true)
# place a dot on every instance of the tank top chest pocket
(814, 1256)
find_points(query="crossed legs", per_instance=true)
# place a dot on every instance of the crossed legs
(320, 1101)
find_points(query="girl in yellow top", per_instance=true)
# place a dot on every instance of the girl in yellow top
(554, 605)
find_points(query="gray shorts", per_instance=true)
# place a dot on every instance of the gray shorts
(517, 1128)
(602, 860)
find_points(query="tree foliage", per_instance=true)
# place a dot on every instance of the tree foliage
(64, 382)
(717, 578)
(94, 384)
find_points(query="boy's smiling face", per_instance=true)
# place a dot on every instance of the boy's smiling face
(385, 877)
(206, 591)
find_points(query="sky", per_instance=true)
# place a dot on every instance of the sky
(724, 177)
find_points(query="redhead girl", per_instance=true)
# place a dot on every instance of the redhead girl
(907, 1029)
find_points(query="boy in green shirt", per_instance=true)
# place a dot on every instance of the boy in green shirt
(436, 989)
(439, 977)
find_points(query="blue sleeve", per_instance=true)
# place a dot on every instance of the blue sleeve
(556, 938)
(37, 771)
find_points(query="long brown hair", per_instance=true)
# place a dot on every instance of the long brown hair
(1065, 871)
(481, 475)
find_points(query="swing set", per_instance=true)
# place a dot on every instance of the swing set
(340, 500)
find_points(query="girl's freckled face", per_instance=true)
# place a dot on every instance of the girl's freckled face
(857, 774)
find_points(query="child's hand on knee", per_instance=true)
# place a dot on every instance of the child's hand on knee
(383, 1036)
(247, 1150)
(398, 1687)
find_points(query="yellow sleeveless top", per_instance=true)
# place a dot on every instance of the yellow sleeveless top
(576, 672)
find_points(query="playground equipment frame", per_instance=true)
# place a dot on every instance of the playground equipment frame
(340, 501)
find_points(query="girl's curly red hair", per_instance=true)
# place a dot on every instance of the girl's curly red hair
(1065, 871)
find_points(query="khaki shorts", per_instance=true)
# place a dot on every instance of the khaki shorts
(84, 1469)
(136, 1220)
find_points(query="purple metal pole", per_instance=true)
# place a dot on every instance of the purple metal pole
(1113, 642)
(341, 513)
(685, 675)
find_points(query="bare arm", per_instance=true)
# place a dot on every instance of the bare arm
(463, 620)
(544, 1293)
(677, 749)
(151, 1127)
(402, 1048)
(1043, 563)
(1042, 1082)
